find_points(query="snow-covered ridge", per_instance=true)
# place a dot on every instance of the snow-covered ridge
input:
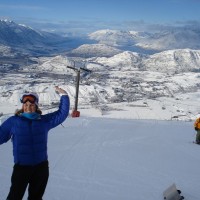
(6, 20)
(174, 61)
(113, 37)
(171, 61)
(25, 40)
(122, 60)
(93, 50)
(56, 64)
(178, 38)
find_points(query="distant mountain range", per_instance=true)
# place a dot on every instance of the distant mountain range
(178, 38)
(176, 50)
(25, 40)
(106, 43)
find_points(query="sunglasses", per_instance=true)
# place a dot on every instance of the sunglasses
(30, 98)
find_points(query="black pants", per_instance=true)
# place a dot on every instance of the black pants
(34, 176)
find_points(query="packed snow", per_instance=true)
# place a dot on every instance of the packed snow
(101, 158)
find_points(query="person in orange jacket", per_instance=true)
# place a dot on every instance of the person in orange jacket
(197, 128)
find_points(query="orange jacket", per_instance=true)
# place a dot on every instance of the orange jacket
(197, 124)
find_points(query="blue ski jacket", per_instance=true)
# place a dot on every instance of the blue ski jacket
(29, 137)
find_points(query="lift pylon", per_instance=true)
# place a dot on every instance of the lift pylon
(75, 112)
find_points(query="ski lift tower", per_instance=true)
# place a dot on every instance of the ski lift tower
(75, 112)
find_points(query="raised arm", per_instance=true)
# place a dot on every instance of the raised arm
(57, 117)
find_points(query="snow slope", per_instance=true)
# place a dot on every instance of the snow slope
(95, 158)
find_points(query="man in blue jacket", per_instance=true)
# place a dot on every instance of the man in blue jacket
(28, 130)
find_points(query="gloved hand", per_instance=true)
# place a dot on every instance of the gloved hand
(60, 90)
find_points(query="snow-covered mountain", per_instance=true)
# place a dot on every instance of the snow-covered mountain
(13, 34)
(94, 50)
(170, 62)
(114, 37)
(174, 61)
(25, 40)
(178, 38)
(124, 40)
(123, 61)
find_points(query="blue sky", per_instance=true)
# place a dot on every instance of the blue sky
(100, 12)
